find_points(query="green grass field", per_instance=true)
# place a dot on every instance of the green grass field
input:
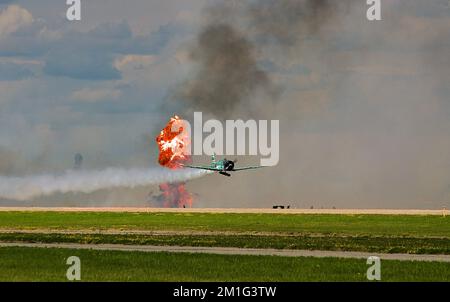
(329, 243)
(366, 233)
(41, 264)
(360, 225)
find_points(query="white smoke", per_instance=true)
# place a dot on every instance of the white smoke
(28, 187)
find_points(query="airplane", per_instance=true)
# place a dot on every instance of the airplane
(222, 166)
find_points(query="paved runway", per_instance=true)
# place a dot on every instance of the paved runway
(233, 210)
(232, 251)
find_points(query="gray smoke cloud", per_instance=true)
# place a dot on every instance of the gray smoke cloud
(227, 71)
(7, 159)
(29, 187)
(287, 22)
(363, 107)
(229, 48)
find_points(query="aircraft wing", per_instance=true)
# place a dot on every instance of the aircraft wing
(247, 168)
(200, 167)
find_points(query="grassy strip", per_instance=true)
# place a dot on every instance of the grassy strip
(330, 243)
(39, 264)
(374, 225)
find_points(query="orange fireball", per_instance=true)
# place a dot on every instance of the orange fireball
(176, 195)
(174, 143)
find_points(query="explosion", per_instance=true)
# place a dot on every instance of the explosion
(173, 142)
(175, 195)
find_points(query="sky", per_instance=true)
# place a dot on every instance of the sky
(90, 86)
(363, 106)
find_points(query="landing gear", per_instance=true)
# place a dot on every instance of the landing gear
(225, 173)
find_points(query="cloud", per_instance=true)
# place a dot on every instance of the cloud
(134, 62)
(96, 95)
(81, 65)
(102, 52)
(11, 71)
(112, 31)
(8, 159)
(23, 35)
(57, 52)
(88, 55)
(13, 18)
(96, 49)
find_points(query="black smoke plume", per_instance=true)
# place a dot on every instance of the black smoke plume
(228, 73)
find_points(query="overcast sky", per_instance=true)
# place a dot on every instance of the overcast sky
(90, 86)
(364, 107)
